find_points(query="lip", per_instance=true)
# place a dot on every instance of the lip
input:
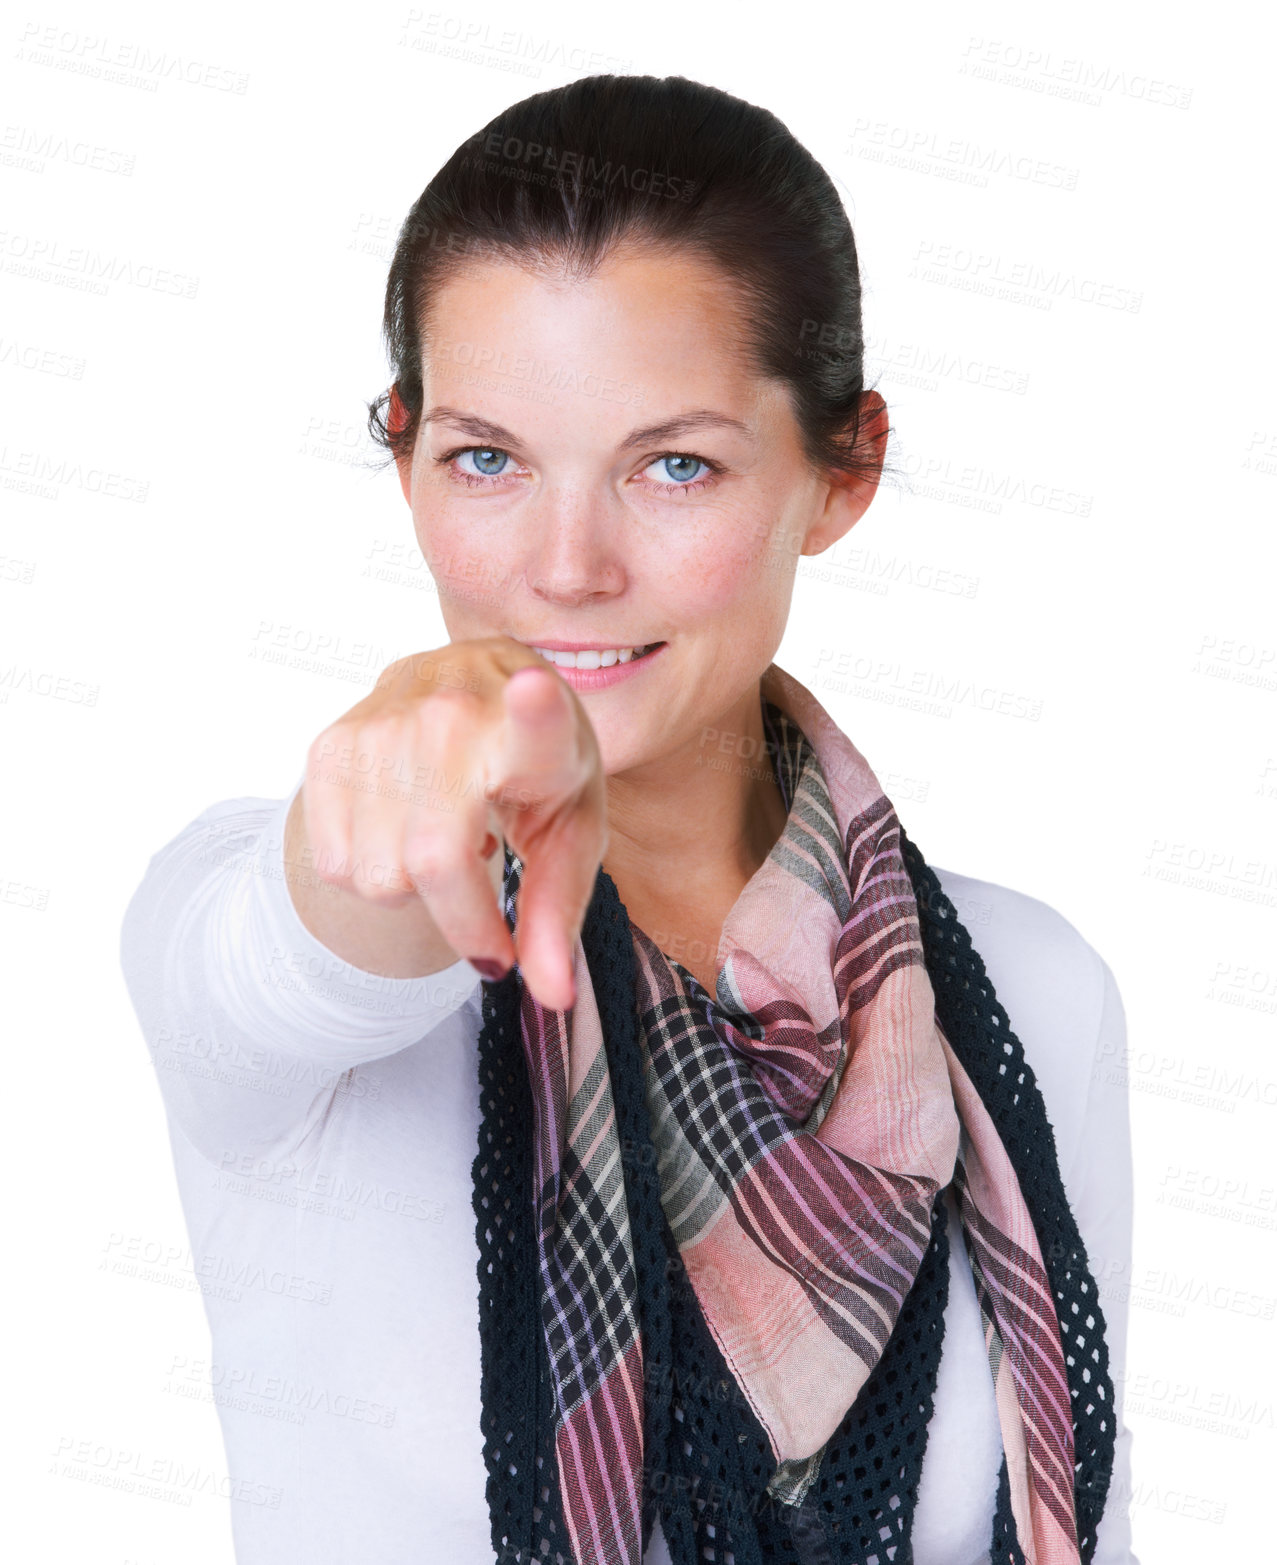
(599, 678)
(582, 646)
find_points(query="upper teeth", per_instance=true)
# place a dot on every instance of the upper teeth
(591, 659)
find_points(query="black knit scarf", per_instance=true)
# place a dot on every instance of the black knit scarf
(707, 1461)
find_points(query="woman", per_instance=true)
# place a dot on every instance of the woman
(774, 1252)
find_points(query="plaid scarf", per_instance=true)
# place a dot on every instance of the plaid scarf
(709, 1224)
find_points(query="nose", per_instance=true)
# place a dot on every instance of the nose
(573, 550)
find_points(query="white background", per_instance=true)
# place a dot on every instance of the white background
(1101, 478)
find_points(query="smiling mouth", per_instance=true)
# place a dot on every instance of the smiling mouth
(591, 657)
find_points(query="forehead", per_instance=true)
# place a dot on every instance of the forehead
(654, 328)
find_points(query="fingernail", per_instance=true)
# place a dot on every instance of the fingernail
(492, 971)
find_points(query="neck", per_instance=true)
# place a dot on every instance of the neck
(701, 819)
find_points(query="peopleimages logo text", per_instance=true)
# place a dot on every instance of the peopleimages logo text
(581, 165)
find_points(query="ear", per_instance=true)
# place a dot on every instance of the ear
(396, 418)
(848, 498)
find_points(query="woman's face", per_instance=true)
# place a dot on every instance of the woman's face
(597, 466)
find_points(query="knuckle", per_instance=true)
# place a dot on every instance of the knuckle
(445, 721)
(377, 739)
(424, 858)
(450, 703)
(436, 849)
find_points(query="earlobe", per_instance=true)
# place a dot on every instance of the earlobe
(845, 503)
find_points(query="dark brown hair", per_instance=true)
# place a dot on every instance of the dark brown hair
(563, 177)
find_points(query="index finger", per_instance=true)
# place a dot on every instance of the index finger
(549, 748)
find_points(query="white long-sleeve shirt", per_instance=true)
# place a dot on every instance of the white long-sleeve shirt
(323, 1122)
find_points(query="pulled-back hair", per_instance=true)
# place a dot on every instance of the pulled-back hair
(563, 177)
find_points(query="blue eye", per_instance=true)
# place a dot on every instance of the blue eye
(677, 467)
(488, 459)
(685, 473)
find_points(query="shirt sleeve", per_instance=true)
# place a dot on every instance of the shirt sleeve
(253, 1025)
(1100, 1187)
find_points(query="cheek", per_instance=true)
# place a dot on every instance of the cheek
(453, 548)
(473, 583)
(731, 571)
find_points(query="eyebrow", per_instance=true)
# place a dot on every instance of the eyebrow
(649, 434)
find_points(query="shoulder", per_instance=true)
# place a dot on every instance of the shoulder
(1012, 927)
(1057, 990)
